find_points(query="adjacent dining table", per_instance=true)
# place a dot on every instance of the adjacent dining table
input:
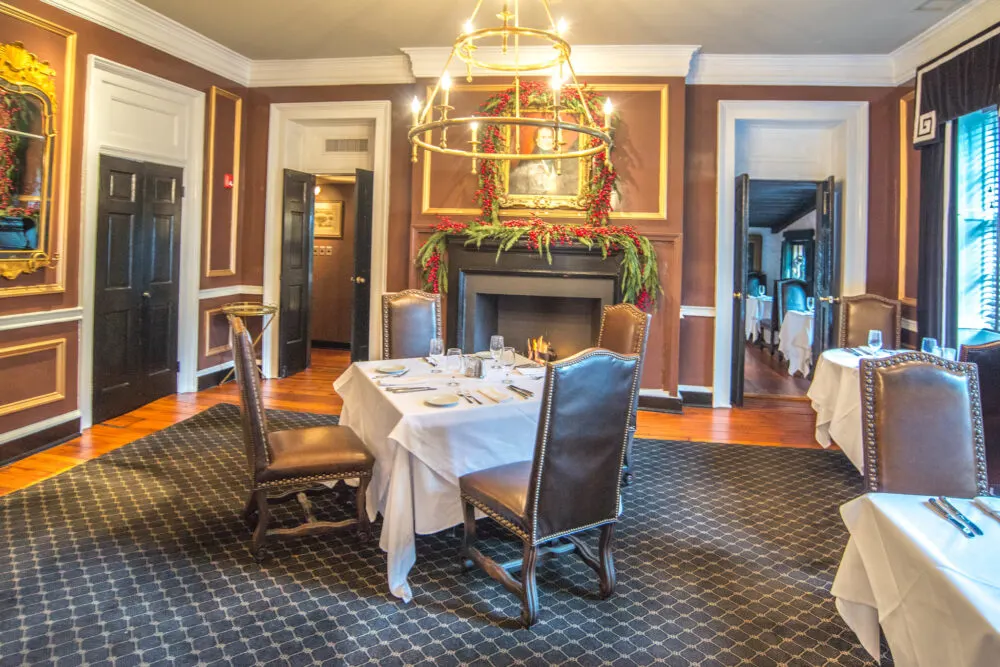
(835, 393)
(934, 592)
(421, 451)
(795, 340)
(758, 308)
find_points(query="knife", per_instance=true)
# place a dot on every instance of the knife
(987, 509)
(469, 394)
(429, 362)
(854, 352)
(407, 390)
(522, 390)
(949, 518)
(514, 390)
(961, 517)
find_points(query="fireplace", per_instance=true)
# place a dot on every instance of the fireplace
(522, 296)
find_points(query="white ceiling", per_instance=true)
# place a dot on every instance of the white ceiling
(294, 29)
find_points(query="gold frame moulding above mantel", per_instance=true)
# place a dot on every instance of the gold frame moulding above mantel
(487, 89)
(904, 193)
(210, 179)
(50, 250)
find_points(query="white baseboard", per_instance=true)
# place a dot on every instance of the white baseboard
(31, 429)
(214, 369)
(681, 388)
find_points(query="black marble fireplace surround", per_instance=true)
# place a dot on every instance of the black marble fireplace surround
(522, 295)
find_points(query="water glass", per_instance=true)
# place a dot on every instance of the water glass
(949, 353)
(875, 340)
(930, 346)
(761, 290)
(453, 363)
(508, 357)
(810, 304)
(496, 347)
(436, 353)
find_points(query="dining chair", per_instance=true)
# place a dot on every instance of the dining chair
(789, 294)
(754, 280)
(410, 319)
(986, 357)
(860, 314)
(922, 425)
(292, 463)
(625, 330)
(573, 482)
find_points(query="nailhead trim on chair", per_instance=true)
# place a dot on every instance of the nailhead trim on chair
(898, 306)
(389, 297)
(499, 518)
(313, 478)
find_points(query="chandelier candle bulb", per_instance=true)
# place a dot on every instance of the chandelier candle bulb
(608, 108)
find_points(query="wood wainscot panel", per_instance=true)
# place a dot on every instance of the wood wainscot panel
(661, 370)
(222, 182)
(38, 370)
(697, 346)
(214, 346)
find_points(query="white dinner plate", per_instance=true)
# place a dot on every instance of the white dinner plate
(442, 401)
(391, 369)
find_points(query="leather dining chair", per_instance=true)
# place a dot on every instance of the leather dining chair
(573, 483)
(922, 425)
(410, 319)
(789, 294)
(986, 357)
(625, 330)
(860, 314)
(292, 463)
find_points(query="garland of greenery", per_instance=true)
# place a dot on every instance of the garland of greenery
(640, 281)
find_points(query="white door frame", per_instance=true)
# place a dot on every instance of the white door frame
(854, 268)
(278, 159)
(183, 108)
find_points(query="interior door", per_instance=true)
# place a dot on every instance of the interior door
(826, 266)
(740, 269)
(294, 345)
(361, 314)
(136, 288)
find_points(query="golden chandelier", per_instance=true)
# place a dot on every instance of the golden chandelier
(513, 37)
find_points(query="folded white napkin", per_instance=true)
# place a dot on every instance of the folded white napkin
(992, 504)
(533, 373)
(497, 395)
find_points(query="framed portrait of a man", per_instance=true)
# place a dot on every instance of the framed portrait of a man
(546, 182)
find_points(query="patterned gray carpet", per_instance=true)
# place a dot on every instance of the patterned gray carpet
(725, 557)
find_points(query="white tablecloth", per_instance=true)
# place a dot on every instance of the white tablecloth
(795, 341)
(835, 393)
(758, 308)
(421, 451)
(935, 592)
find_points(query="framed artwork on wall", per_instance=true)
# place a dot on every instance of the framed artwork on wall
(328, 220)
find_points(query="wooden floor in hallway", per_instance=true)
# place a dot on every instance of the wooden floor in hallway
(765, 422)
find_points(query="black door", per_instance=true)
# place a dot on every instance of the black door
(826, 266)
(136, 291)
(742, 232)
(361, 315)
(296, 273)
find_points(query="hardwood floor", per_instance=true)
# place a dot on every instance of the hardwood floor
(761, 422)
(765, 375)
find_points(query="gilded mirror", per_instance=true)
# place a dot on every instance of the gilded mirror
(27, 141)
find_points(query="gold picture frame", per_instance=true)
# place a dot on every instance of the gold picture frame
(211, 180)
(328, 219)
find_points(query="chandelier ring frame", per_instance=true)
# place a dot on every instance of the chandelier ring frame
(465, 46)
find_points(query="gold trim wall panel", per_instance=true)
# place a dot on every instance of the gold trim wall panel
(210, 175)
(60, 186)
(206, 330)
(659, 214)
(58, 393)
(904, 193)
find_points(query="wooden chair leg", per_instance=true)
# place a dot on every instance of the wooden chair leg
(361, 500)
(260, 533)
(529, 589)
(249, 510)
(468, 537)
(607, 570)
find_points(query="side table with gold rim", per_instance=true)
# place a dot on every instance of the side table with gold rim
(244, 309)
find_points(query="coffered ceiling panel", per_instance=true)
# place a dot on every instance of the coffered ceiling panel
(291, 29)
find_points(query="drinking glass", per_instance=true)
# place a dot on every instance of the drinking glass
(930, 346)
(437, 353)
(496, 347)
(761, 290)
(875, 340)
(508, 357)
(453, 363)
(810, 304)
(949, 353)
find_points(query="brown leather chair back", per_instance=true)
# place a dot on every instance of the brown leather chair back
(789, 294)
(409, 320)
(625, 330)
(861, 314)
(576, 474)
(251, 401)
(922, 426)
(986, 357)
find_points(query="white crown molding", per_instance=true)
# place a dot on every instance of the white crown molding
(41, 318)
(331, 71)
(231, 290)
(947, 33)
(150, 27)
(588, 60)
(791, 70)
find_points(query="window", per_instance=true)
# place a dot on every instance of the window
(976, 197)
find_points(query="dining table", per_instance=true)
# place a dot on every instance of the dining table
(758, 309)
(933, 591)
(421, 450)
(795, 340)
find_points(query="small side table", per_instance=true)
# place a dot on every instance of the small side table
(265, 311)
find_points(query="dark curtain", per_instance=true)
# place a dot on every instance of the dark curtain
(933, 279)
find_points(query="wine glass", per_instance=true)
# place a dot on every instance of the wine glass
(949, 353)
(508, 357)
(453, 362)
(810, 304)
(761, 290)
(875, 341)
(496, 347)
(930, 346)
(436, 353)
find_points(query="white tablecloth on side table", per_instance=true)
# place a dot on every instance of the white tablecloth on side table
(758, 308)
(935, 593)
(835, 393)
(795, 340)
(421, 451)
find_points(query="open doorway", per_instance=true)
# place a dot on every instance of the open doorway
(333, 261)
